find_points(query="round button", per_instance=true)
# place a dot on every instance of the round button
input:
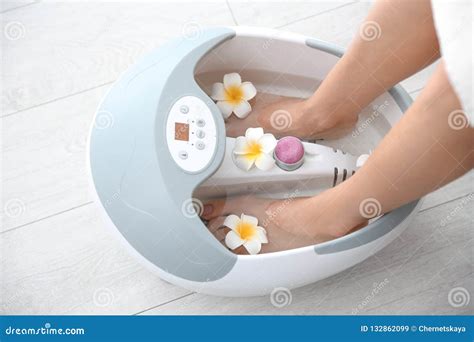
(184, 109)
(200, 122)
(200, 134)
(183, 154)
(200, 145)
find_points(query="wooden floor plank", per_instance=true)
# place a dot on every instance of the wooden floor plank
(72, 264)
(10, 5)
(457, 188)
(413, 275)
(44, 159)
(71, 56)
(275, 14)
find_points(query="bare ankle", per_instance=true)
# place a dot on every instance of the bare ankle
(322, 122)
(334, 214)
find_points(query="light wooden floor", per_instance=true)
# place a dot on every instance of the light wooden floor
(58, 60)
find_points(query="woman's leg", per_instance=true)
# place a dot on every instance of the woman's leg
(403, 41)
(431, 146)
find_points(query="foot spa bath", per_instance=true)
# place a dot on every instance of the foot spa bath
(167, 152)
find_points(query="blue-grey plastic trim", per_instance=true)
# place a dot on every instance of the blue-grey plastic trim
(372, 232)
(333, 49)
(389, 221)
(401, 97)
(144, 192)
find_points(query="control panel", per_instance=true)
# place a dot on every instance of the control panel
(191, 134)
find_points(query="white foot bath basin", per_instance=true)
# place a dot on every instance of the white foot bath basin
(166, 148)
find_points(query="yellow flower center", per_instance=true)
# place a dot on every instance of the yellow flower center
(254, 149)
(245, 230)
(234, 94)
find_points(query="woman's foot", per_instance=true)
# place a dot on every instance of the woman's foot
(290, 223)
(284, 116)
(278, 239)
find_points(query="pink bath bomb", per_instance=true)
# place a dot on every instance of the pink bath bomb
(289, 150)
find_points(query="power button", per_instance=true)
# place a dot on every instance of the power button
(200, 145)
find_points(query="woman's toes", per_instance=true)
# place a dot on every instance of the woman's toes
(216, 223)
(207, 210)
(240, 250)
(217, 228)
(212, 209)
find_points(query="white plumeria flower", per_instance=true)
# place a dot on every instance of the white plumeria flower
(245, 231)
(233, 96)
(255, 148)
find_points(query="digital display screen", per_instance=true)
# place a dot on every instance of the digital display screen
(181, 131)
